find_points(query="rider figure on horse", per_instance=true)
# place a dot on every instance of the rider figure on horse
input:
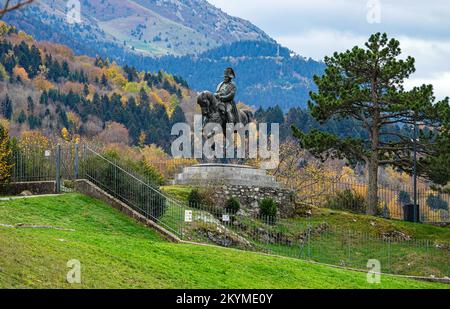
(225, 93)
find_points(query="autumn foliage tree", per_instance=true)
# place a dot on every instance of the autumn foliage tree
(5, 155)
(366, 84)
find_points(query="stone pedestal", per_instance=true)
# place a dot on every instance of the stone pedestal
(249, 185)
(225, 174)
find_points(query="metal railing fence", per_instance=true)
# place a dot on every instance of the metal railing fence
(306, 239)
(132, 190)
(317, 241)
(392, 200)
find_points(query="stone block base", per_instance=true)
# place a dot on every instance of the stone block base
(251, 196)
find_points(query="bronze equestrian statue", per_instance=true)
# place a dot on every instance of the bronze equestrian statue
(220, 107)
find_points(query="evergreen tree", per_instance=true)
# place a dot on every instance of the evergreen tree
(34, 122)
(35, 61)
(30, 105)
(96, 104)
(437, 167)
(65, 71)
(274, 115)
(366, 84)
(86, 90)
(177, 116)
(44, 98)
(143, 97)
(22, 117)
(6, 108)
(104, 81)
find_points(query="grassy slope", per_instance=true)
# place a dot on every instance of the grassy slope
(115, 252)
(421, 256)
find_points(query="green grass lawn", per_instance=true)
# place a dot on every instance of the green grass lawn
(116, 252)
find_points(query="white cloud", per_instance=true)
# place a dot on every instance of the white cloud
(280, 17)
(439, 81)
(432, 56)
(320, 43)
(320, 27)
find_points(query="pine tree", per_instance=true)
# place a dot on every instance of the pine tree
(143, 97)
(65, 71)
(104, 81)
(44, 98)
(86, 90)
(30, 104)
(177, 116)
(22, 117)
(366, 84)
(6, 108)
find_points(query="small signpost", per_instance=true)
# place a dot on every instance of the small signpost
(226, 218)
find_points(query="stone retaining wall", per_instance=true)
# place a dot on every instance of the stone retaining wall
(250, 196)
(35, 187)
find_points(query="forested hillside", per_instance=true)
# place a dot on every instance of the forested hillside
(46, 87)
(267, 73)
(189, 38)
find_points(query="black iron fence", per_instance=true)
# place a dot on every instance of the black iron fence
(394, 202)
(396, 252)
(313, 240)
(131, 189)
(60, 163)
(34, 165)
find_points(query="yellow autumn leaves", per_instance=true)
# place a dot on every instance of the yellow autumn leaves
(5, 154)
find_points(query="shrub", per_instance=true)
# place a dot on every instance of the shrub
(436, 202)
(347, 200)
(383, 211)
(232, 205)
(195, 198)
(203, 199)
(138, 167)
(404, 198)
(268, 210)
(142, 197)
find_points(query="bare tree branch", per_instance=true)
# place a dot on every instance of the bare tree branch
(8, 7)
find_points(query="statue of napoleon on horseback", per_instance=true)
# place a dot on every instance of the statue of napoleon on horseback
(220, 107)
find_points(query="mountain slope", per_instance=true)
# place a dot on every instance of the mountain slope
(267, 74)
(148, 27)
(190, 38)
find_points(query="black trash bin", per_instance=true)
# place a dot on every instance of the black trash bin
(411, 213)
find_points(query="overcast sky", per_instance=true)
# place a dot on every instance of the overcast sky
(319, 27)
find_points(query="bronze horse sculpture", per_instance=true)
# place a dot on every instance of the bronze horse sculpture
(211, 112)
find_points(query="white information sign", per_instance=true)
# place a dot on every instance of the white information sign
(188, 215)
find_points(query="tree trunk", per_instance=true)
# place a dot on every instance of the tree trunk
(372, 202)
